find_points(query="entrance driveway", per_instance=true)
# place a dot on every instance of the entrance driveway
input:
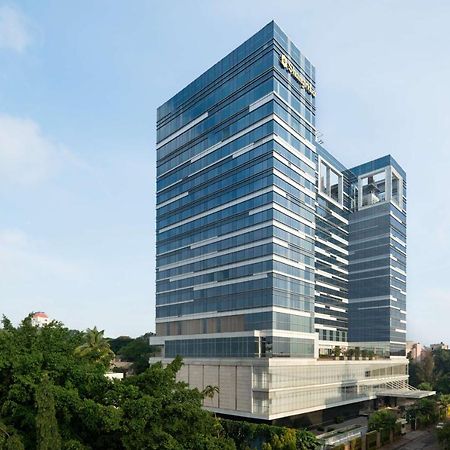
(416, 440)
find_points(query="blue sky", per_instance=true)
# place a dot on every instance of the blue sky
(79, 86)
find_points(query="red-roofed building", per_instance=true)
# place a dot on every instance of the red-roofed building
(40, 319)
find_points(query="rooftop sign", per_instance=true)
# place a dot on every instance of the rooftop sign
(306, 85)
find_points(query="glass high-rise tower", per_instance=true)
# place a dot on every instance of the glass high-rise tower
(271, 254)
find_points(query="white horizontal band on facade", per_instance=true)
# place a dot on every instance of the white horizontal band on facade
(232, 138)
(237, 312)
(372, 269)
(398, 240)
(218, 208)
(294, 183)
(330, 276)
(213, 254)
(293, 167)
(369, 259)
(295, 216)
(230, 235)
(326, 249)
(217, 146)
(261, 101)
(256, 276)
(320, 283)
(331, 245)
(396, 218)
(233, 155)
(274, 223)
(294, 133)
(333, 224)
(320, 326)
(220, 268)
(373, 307)
(339, 238)
(196, 287)
(289, 262)
(295, 110)
(171, 200)
(294, 151)
(334, 296)
(182, 130)
(291, 230)
(335, 308)
(260, 209)
(370, 238)
(252, 333)
(322, 251)
(372, 299)
(279, 241)
(333, 266)
(278, 272)
(324, 316)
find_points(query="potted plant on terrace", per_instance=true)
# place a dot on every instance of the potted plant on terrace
(350, 353)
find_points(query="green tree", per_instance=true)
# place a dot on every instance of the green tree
(95, 347)
(306, 440)
(444, 436)
(426, 370)
(150, 410)
(383, 419)
(424, 412)
(116, 344)
(443, 383)
(425, 386)
(180, 422)
(137, 351)
(47, 433)
(14, 443)
(284, 441)
(441, 359)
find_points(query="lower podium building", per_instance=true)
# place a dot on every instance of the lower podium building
(281, 273)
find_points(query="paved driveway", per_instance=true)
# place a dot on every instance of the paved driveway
(416, 440)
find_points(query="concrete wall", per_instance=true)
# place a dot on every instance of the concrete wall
(234, 382)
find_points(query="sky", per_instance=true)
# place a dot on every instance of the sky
(79, 86)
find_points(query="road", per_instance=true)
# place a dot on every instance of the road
(416, 440)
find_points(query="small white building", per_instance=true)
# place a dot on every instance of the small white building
(440, 346)
(40, 319)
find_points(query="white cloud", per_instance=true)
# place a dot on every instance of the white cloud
(26, 155)
(14, 29)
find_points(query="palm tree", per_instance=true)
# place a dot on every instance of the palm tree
(95, 347)
(210, 391)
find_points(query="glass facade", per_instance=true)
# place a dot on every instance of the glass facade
(377, 295)
(331, 245)
(236, 168)
(267, 246)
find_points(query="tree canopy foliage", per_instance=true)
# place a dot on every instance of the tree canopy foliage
(444, 436)
(53, 389)
(384, 419)
(432, 371)
(136, 351)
